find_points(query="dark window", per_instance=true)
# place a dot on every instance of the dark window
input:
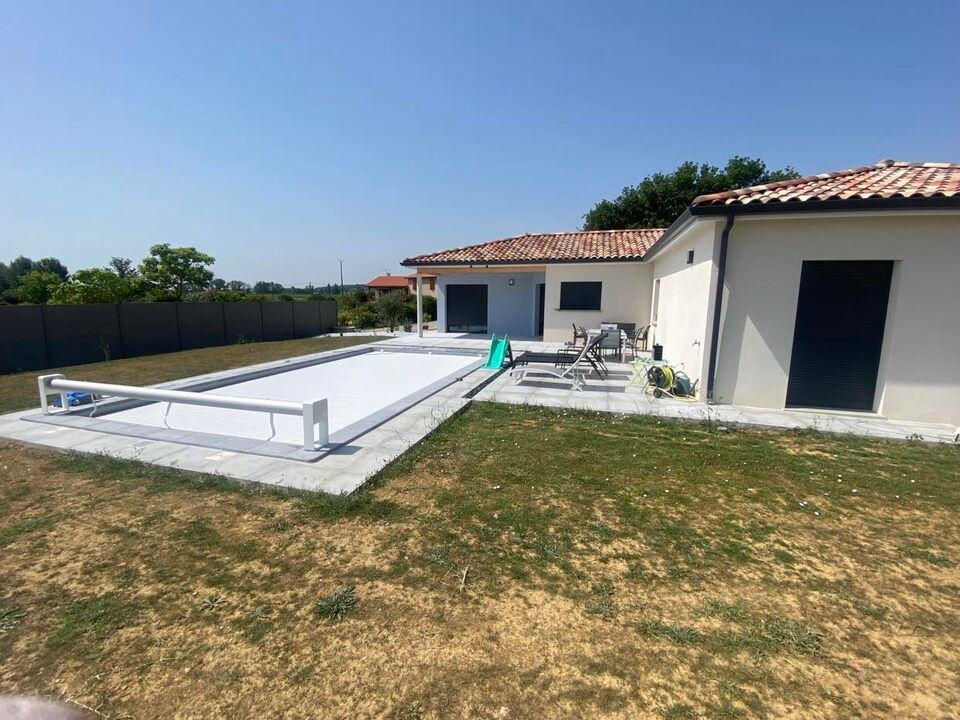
(580, 295)
(689, 257)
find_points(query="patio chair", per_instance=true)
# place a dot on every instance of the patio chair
(611, 340)
(638, 342)
(579, 337)
(574, 372)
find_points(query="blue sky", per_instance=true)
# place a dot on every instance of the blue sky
(280, 137)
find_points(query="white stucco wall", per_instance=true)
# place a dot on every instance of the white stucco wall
(919, 376)
(685, 299)
(625, 296)
(510, 308)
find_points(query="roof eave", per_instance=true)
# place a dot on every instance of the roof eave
(807, 206)
(412, 262)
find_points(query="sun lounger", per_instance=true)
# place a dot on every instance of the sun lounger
(563, 365)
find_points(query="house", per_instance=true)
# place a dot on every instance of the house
(835, 292)
(383, 284)
(429, 284)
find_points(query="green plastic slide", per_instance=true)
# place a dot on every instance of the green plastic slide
(499, 351)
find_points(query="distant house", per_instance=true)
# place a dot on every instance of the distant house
(429, 284)
(388, 283)
(383, 284)
(836, 291)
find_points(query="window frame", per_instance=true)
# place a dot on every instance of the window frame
(581, 307)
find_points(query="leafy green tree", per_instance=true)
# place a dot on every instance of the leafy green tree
(174, 271)
(37, 286)
(224, 295)
(10, 274)
(659, 199)
(238, 286)
(96, 285)
(52, 265)
(123, 267)
(267, 288)
(392, 308)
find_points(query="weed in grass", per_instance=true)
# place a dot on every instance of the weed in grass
(324, 506)
(928, 556)
(255, 624)
(9, 618)
(871, 611)
(784, 557)
(775, 635)
(414, 711)
(86, 624)
(12, 532)
(601, 600)
(653, 628)
(127, 576)
(678, 711)
(336, 605)
(730, 611)
(199, 533)
(212, 603)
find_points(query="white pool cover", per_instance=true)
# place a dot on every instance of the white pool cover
(356, 388)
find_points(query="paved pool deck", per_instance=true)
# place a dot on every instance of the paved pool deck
(346, 468)
(341, 470)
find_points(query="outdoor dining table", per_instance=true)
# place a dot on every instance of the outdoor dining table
(592, 333)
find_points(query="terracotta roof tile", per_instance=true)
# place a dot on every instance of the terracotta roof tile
(886, 179)
(585, 246)
(388, 281)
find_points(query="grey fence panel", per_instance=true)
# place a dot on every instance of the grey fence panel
(34, 337)
(201, 325)
(149, 328)
(22, 344)
(306, 319)
(328, 315)
(243, 322)
(277, 320)
(78, 334)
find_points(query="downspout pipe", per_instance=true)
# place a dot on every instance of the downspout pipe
(718, 306)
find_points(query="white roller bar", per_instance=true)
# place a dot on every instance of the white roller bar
(314, 413)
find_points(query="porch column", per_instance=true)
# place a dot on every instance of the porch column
(419, 304)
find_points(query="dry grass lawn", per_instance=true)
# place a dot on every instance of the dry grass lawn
(520, 563)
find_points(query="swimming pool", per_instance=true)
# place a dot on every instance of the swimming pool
(363, 388)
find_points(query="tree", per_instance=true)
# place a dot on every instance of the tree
(267, 288)
(238, 286)
(52, 265)
(123, 267)
(173, 271)
(96, 285)
(36, 286)
(392, 308)
(659, 199)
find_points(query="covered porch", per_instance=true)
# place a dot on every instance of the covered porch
(480, 301)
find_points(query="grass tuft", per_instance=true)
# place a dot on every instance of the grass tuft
(653, 628)
(336, 605)
(12, 532)
(89, 622)
(9, 618)
(601, 600)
